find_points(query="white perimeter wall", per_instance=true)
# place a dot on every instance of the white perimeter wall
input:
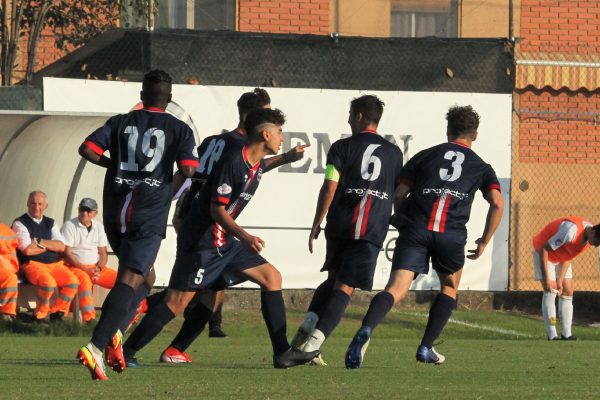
(282, 210)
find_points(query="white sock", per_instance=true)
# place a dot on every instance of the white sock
(565, 310)
(549, 312)
(314, 343)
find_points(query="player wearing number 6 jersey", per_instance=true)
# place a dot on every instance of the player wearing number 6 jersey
(143, 144)
(362, 173)
(442, 182)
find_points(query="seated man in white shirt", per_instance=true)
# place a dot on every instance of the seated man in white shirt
(40, 249)
(86, 255)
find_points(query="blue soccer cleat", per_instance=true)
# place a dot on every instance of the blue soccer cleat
(429, 356)
(358, 347)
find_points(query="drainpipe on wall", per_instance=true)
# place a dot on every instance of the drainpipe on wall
(150, 15)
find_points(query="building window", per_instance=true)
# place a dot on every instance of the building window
(196, 14)
(422, 18)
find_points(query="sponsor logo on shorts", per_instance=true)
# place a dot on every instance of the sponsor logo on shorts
(224, 189)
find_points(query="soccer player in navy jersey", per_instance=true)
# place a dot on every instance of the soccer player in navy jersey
(213, 248)
(210, 152)
(143, 144)
(356, 196)
(442, 182)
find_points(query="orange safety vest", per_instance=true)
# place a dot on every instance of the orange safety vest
(567, 251)
(8, 246)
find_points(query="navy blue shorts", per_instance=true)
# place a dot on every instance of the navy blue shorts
(207, 268)
(415, 247)
(352, 262)
(135, 250)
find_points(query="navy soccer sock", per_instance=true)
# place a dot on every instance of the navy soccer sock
(115, 306)
(381, 304)
(439, 314)
(216, 318)
(156, 298)
(333, 312)
(273, 311)
(140, 293)
(193, 325)
(321, 296)
(148, 329)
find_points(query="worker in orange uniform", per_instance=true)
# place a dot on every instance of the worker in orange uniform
(40, 249)
(554, 247)
(86, 255)
(9, 266)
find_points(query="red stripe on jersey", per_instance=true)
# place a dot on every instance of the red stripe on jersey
(436, 203)
(130, 208)
(444, 213)
(370, 131)
(221, 200)
(189, 163)
(365, 218)
(155, 109)
(94, 147)
(494, 186)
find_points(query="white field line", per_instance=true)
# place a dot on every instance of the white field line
(495, 329)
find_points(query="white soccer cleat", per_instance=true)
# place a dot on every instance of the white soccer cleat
(305, 330)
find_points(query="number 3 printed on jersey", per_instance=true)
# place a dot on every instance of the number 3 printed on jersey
(155, 154)
(457, 159)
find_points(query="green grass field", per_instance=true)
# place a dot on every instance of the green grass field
(488, 356)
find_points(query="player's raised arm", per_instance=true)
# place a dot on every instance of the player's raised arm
(492, 220)
(294, 154)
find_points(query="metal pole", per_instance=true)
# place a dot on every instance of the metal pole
(150, 15)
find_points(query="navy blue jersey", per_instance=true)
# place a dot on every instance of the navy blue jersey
(443, 181)
(211, 151)
(369, 168)
(143, 145)
(232, 184)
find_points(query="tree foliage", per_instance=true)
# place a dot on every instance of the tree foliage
(71, 23)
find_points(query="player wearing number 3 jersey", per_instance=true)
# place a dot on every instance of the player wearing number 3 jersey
(442, 182)
(143, 144)
(362, 173)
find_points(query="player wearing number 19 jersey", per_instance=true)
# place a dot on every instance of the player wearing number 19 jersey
(143, 145)
(362, 173)
(442, 182)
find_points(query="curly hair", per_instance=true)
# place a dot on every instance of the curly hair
(462, 121)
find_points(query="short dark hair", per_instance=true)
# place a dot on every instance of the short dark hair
(596, 230)
(258, 117)
(258, 98)
(157, 83)
(371, 107)
(462, 121)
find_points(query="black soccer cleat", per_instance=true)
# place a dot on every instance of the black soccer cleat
(293, 357)
(572, 337)
(216, 332)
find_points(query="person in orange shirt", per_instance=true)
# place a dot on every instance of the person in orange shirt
(86, 255)
(9, 266)
(40, 249)
(554, 247)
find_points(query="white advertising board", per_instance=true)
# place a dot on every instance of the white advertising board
(282, 210)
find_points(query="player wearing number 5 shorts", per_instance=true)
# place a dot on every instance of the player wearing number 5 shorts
(212, 247)
(356, 196)
(143, 145)
(442, 182)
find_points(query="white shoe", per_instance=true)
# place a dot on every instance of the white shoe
(318, 361)
(305, 330)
